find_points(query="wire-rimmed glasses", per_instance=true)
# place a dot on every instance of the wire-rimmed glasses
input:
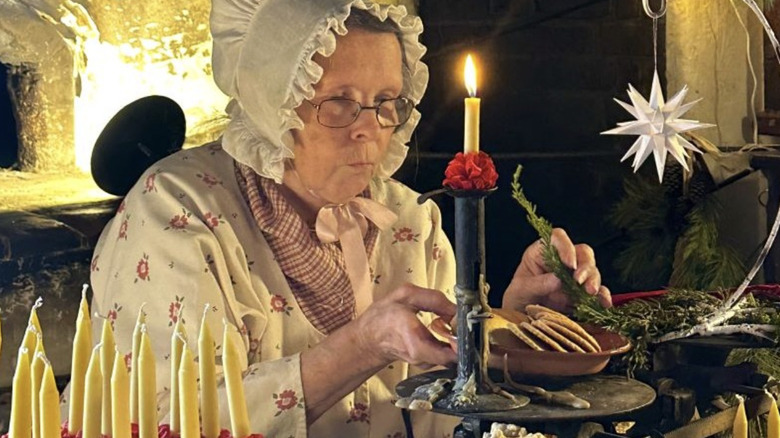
(339, 112)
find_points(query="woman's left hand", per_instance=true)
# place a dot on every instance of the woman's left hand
(533, 283)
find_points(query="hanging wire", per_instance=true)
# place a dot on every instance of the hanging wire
(655, 15)
(753, 75)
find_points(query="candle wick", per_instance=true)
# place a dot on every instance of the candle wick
(38, 303)
(181, 337)
(41, 356)
(84, 288)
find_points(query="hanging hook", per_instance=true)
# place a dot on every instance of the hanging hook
(649, 11)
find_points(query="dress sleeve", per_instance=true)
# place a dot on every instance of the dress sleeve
(166, 250)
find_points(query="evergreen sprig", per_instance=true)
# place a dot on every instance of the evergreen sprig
(576, 292)
(639, 320)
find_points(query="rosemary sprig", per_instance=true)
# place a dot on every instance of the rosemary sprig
(575, 291)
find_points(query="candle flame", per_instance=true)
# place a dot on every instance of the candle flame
(470, 75)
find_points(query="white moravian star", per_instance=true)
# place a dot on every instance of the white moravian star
(658, 125)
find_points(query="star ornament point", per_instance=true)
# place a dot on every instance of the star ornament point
(659, 127)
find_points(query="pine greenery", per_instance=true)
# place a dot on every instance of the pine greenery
(641, 321)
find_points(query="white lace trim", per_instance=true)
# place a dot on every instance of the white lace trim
(265, 150)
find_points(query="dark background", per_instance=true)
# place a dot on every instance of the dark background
(548, 72)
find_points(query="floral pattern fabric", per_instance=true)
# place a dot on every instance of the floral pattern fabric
(184, 238)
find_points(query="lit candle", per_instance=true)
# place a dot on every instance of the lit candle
(107, 353)
(239, 419)
(120, 387)
(139, 323)
(209, 405)
(740, 427)
(20, 425)
(37, 368)
(773, 421)
(50, 404)
(188, 396)
(93, 395)
(147, 388)
(471, 121)
(82, 346)
(178, 339)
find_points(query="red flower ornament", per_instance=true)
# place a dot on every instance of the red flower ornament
(471, 172)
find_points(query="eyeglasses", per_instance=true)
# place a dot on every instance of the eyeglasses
(339, 112)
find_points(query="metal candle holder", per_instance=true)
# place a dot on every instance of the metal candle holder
(470, 393)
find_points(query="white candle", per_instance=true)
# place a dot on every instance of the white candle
(178, 339)
(209, 405)
(120, 388)
(50, 404)
(107, 352)
(147, 389)
(37, 368)
(188, 395)
(93, 397)
(231, 364)
(20, 425)
(471, 119)
(82, 346)
(134, 364)
(773, 421)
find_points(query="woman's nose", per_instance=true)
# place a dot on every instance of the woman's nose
(366, 125)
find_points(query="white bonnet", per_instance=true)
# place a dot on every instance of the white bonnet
(262, 59)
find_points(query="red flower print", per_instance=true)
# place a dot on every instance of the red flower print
(142, 270)
(123, 230)
(359, 413)
(404, 234)
(256, 435)
(113, 313)
(121, 207)
(279, 304)
(437, 252)
(286, 400)
(178, 222)
(212, 221)
(149, 183)
(471, 172)
(93, 267)
(224, 433)
(174, 310)
(209, 179)
(164, 431)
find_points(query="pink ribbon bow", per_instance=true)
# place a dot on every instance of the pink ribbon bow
(348, 224)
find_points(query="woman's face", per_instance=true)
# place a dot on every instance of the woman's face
(337, 163)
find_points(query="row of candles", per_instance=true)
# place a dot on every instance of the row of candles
(106, 398)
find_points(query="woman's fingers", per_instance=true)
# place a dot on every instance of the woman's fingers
(566, 250)
(398, 333)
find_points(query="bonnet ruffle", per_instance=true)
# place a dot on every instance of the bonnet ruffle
(262, 59)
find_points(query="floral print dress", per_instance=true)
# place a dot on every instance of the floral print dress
(184, 237)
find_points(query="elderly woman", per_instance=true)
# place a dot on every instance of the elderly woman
(291, 228)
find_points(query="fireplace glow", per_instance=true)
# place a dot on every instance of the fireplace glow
(112, 76)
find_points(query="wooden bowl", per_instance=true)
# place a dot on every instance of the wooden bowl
(521, 359)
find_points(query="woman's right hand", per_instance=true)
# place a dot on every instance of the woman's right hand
(390, 330)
